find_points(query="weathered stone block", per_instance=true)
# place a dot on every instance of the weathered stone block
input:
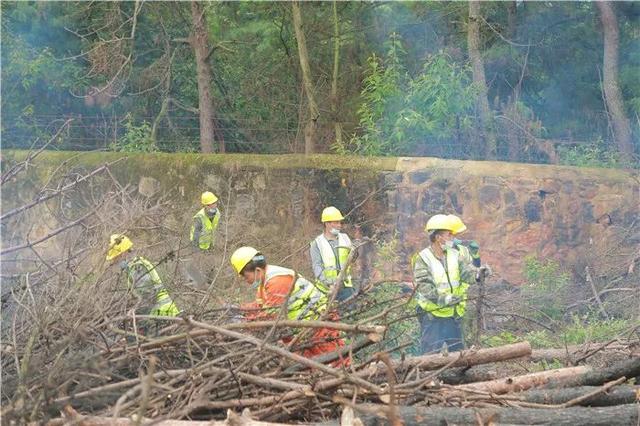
(489, 195)
(434, 201)
(419, 177)
(148, 186)
(392, 178)
(533, 210)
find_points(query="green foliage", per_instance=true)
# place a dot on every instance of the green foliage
(137, 138)
(546, 287)
(578, 331)
(404, 87)
(387, 253)
(403, 332)
(596, 154)
(400, 113)
(500, 339)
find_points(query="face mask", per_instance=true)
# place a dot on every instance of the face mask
(212, 212)
(447, 245)
(256, 282)
(123, 265)
(335, 232)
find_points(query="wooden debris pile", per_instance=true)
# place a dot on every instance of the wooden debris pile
(197, 371)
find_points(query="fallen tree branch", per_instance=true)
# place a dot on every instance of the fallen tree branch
(48, 236)
(57, 191)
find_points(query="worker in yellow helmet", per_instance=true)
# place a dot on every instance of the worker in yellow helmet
(205, 222)
(142, 277)
(439, 273)
(329, 252)
(276, 286)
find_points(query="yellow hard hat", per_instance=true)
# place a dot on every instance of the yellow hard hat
(458, 225)
(331, 214)
(439, 221)
(241, 257)
(117, 245)
(208, 198)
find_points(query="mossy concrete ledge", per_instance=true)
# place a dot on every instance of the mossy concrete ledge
(514, 210)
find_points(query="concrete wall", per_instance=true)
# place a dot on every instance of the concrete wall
(274, 202)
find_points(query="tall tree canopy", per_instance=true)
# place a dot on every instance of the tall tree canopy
(523, 81)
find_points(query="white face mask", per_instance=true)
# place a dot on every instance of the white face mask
(447, 245)
(123, 265)
(334, 232)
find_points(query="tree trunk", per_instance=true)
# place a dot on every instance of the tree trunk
(627, 414)
(527, 381)
(629, 368)
(479, 79)
(615, 396)
(613, 96)
(200, 43)
(468, 358)
(511, 19)
(334, 79)
(314, 114)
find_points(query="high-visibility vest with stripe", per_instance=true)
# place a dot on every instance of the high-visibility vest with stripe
(209, 226)
(331, 265)
(306, 301)
(447, 281)
(164, 305)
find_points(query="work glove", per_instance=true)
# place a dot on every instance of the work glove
(448, 300)
(474, 249)
(233, 312)
(484, 271)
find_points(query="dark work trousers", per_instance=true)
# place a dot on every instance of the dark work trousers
(344, 293)
(435, 331)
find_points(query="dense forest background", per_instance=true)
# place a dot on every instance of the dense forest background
(551, 82)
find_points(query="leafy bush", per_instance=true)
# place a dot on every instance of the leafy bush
(137, 138)
(596, 154)
(401, 114)
(546, 288)
(577, 332)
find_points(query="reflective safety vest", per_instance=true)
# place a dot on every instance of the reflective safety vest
(306, 301)
(447, 281)
(331, 265)
(209, 226)
(164, 305)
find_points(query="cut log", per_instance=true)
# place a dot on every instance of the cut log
(627, 414)
(71, 416)
(572, 354)
(527, 381)
(469, 357)
(615, 396)
(477, 373)
(628, 368)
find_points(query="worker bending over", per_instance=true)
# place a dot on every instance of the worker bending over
(276, 286)
(142, 278)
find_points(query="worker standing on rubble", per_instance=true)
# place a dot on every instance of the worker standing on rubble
(142, 278)
(439, 273)
(329, 252)
(276, 286)
(205, 222)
